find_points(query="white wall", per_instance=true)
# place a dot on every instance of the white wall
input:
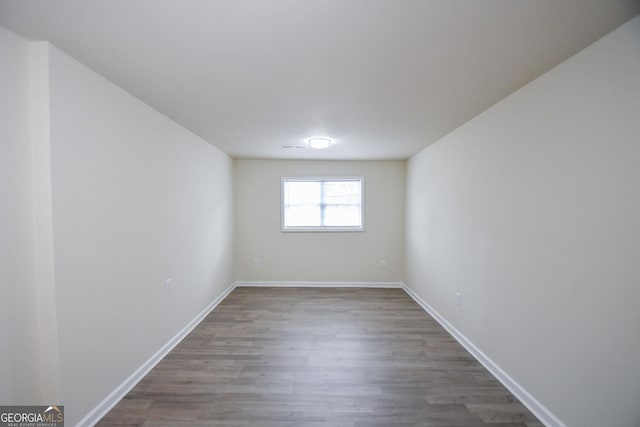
(40, 141)
(14, 195)
(109, 198)
(136, 199)
(19, 367)
(337, 257)
(532, 211)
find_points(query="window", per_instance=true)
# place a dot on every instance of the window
(322, 204)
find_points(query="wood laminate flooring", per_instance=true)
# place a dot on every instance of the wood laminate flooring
(319, 357)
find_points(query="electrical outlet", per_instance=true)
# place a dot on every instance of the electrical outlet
(256, 262)
(167, 285)
(458, 298)
(383, 264)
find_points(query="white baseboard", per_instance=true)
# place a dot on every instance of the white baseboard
(116, 395)
(538, 409)
(288, 284)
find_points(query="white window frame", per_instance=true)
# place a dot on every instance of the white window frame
(323, 229)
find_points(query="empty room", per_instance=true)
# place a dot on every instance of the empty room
(320, 213)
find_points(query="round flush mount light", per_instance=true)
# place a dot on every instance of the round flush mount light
(319, 143)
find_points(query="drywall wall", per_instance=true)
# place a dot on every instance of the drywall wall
(39, 137)
(532, 211)
(137, 199)
(21, 370)
(16, 233)
(342, 256)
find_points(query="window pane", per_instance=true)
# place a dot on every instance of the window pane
(302, 193)
(342, 216)
(342, 192)
(302, 216)
(302, 204)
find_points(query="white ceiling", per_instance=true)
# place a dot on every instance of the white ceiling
(385, 78)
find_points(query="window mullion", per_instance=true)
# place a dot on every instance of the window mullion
(322, 203)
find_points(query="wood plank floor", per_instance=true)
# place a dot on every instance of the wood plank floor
(319, 357)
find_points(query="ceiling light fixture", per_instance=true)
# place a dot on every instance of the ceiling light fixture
(319, 143)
